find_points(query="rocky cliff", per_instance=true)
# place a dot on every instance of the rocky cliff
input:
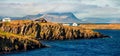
(12, 42)
(48, 31)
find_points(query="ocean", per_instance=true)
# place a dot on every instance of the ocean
(83, 47)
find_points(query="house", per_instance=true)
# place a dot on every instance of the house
(6, 20)
(74, 24)
(42, 20)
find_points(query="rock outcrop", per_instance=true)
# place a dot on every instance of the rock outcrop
(48, 31)
(12, 42)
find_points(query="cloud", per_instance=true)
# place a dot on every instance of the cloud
(34, 8)
(81, 8)
(105, 12)
(40, 1)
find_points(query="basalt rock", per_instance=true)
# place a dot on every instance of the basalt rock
(12, 42)
(48, 31)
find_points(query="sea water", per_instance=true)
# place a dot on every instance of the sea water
(84, 47)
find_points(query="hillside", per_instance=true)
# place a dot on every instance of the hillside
(48, 31)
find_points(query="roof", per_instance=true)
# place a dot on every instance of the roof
(41, 20)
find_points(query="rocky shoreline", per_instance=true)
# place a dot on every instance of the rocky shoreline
(48, 31)
(12, 42)
(22, 34)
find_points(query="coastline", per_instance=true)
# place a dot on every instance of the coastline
(36, 31)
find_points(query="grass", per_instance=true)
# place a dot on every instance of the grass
(16, 36)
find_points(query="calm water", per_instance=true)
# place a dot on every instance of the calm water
(92, 47)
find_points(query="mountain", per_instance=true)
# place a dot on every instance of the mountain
(61, 17)
(52, 17)
(55, 17)
(101, 20)
(13, 18)
(32, 16)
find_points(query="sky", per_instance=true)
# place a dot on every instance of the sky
(81, 8)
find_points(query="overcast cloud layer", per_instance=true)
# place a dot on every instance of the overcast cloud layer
(81, 8)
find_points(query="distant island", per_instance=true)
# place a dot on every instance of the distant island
(113, 26)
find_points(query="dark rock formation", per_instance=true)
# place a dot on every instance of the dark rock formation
(48, 31)
(12, 42)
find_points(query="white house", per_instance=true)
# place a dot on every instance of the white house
(6, 20)
(74, 24)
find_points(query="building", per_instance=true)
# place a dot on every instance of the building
(6, 20)
(42, 20)
(74, 24)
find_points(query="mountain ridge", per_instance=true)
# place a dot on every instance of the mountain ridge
(52, 17)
